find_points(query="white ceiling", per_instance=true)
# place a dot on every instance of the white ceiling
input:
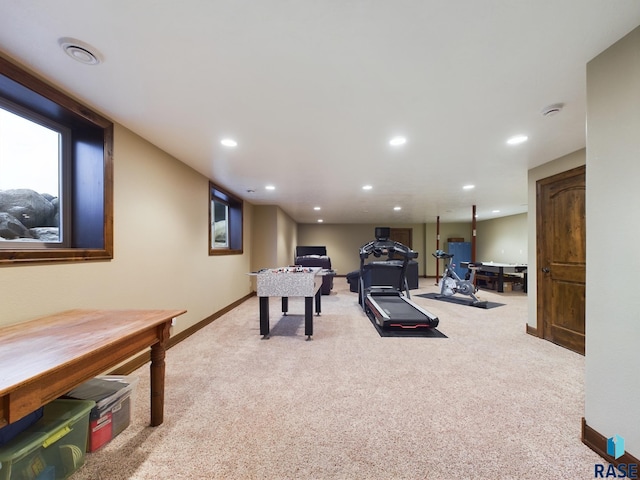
(313, 91)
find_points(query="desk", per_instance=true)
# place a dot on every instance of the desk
(280, 282)
(501, 269)
(42, 359)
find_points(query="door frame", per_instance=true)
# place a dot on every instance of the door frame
(540, 323)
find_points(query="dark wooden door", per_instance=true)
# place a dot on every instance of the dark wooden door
(402, 235)
(561, 258)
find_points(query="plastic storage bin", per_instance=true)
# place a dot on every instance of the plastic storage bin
(112, 413)
(51, 449)
(9, 432)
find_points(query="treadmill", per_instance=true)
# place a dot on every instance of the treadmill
(389, 306)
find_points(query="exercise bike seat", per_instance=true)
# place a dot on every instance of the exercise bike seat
(442, 255)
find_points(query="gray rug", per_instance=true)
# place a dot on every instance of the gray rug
(460, 300)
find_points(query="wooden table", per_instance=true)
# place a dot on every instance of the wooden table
(501, 269)
(44, 358)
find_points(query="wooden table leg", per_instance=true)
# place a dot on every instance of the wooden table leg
(157, 369)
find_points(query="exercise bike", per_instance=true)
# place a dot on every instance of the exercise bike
(451, 283)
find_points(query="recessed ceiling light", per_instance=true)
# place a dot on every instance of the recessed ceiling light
(469, 187)
(517, 139)
(229, 142)
(320, 220)
(495, 211)
(316, 208)
(270, 187)
(80, 51)
(397, 208)
(395, 141)
(367, 187)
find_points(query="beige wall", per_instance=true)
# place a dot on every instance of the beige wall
(161, 255)
(612, 372)
(287, 238)
(343, 242)
(274, 240)
(559, 165)
(499, 240)
(502, 239)
(447, 231)
(264, 251)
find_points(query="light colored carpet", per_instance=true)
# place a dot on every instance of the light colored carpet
(488, 402)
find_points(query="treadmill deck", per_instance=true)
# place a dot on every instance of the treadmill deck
(398, 311)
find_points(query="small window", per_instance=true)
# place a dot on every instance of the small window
(220, 224)
(34, 154)
(56, 174)
(225, 222)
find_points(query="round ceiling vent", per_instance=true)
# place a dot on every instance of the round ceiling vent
(552, 109)
(80, 51)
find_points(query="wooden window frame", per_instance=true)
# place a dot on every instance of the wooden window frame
(91, 169)
(235, 221)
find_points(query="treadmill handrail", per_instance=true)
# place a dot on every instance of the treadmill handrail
(386, 247)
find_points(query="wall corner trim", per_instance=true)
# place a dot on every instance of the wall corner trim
(598, 443)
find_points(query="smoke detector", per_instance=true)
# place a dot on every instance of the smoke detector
(552, 109)
(80, 51)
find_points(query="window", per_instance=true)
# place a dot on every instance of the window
(33, 153)
(220, 224)
(225, 222)
(56, 192)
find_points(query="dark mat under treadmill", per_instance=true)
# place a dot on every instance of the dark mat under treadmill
(407, 332)
(459, 300)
